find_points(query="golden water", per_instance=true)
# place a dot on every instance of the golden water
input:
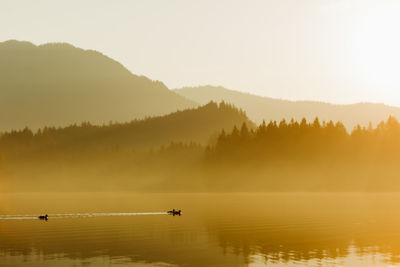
(274, 229)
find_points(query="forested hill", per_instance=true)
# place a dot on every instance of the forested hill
(263, 108)
(59, 84)
(192, 125)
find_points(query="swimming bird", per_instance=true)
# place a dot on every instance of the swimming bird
(174, 212)
(43, 217)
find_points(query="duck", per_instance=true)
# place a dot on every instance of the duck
(174, 212)
(43, 217)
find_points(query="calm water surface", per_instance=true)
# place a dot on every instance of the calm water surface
(293, 229)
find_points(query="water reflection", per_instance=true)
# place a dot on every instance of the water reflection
(215, 230)
(304, 227)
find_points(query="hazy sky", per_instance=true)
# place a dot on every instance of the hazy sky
(340, 51)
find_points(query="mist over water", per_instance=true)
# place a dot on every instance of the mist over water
(231, 229)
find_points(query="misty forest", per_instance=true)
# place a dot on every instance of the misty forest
(211, 148)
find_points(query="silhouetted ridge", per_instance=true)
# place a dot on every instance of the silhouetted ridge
(14, 44)
(192, 125)
(264, 108)
(59, 84)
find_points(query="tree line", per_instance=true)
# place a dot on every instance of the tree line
(308, 141)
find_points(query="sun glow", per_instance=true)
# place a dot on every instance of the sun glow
(377, 50)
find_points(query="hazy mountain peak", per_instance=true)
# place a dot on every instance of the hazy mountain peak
(57, 84)
(15, 44)
(61, 46)
(261, 108)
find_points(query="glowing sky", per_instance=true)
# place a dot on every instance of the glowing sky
(340, 51)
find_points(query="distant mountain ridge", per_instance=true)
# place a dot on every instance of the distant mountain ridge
(263, 108)
(58, 84)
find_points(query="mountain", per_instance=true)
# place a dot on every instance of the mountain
(263, 108)
(58, 84)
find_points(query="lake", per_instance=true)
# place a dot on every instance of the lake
(246, 229)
